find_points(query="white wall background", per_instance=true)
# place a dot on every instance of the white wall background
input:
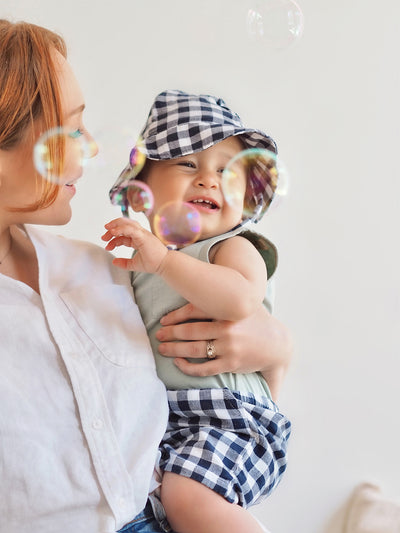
(331, 103)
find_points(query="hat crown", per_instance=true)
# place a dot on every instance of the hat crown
(174, 108)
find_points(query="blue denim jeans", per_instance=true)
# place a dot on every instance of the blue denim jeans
(150, 520)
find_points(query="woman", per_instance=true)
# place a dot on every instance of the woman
(82, 410)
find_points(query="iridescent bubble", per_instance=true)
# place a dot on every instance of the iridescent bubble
(177, 223)
(127, 179)
(60, 154)
(137, 158)
(266, 177)
(139, 196)
(276, 23)
(282, 189)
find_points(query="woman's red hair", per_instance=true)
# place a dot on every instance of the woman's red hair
(29, 91)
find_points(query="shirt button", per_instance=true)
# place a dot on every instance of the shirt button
(122, 502)
(97, 423)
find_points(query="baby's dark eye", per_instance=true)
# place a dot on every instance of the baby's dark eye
(188, 164)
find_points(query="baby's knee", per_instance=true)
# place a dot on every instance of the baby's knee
(176, 492)
(187, 503)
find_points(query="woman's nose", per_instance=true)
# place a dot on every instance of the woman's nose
(93, 148)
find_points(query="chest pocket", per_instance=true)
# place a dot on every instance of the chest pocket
(109, 317)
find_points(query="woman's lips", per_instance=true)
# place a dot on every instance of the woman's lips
(70, 187)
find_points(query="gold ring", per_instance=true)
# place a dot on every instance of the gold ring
(210, 350)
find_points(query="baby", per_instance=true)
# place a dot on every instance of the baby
(225, 445)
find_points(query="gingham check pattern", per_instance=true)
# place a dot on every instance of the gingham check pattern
(180, 124)
(230, 442)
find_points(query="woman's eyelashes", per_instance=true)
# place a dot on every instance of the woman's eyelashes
(76, 133)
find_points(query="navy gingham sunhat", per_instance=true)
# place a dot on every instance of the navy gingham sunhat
(180, 124)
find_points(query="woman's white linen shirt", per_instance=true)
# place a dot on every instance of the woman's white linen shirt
(81, 408)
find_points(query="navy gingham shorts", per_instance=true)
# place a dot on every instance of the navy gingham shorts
(233, 443)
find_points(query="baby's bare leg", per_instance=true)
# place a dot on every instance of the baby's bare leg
(194, 508)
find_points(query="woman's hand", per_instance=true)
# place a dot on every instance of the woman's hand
(257, 343)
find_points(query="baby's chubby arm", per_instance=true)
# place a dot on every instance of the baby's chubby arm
(229, 288)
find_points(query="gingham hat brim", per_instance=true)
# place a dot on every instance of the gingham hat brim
(186, 139)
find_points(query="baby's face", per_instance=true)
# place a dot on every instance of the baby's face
(196, 179)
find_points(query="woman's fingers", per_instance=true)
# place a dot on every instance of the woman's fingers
(194, 349)
(209, 368)
(187, 312)
(192, 331)
(259, 343)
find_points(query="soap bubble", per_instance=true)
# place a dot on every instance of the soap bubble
(276, 23)
(137, 158)
(282, 189)
(177, 223)
(267, 177)
(140, 197)
(60, 154)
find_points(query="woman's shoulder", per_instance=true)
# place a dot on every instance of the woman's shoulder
(81, 258)
(65, 245)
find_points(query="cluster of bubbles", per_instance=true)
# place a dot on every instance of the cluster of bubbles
(140, 195)
(60, 155)
(178, 224)
(275, 23)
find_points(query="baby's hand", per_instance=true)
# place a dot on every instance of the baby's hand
(150, 252)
